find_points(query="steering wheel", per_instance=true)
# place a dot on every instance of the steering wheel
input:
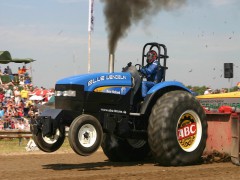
(138, 66)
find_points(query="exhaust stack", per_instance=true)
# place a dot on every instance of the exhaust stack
(111, 63)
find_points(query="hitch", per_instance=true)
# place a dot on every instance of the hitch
(43, 124)
(47, 123)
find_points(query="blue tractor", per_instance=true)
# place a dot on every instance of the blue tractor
(108, 110)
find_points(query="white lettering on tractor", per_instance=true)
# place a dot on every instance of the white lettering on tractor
(92, 81)
(107, 77)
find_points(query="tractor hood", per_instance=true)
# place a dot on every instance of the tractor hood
(93, 81)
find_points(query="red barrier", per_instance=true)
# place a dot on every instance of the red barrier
(223, 134)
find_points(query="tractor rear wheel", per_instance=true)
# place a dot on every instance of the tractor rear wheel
(124, 150)
(177, 129)
(85, 135)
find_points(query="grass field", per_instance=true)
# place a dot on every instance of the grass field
(14, 145)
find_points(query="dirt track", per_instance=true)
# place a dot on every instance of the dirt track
(71, 166)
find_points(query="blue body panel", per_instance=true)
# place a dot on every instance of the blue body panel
(93, 81)
(166, 84)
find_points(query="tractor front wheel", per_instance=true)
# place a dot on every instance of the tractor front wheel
(85, 135)
(50, 143)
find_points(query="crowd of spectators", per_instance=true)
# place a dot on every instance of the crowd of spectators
(216, 91)
(17, 107)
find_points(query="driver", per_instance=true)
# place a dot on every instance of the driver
(151, 72)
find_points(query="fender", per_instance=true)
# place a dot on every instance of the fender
(166, 84)
(161, 88)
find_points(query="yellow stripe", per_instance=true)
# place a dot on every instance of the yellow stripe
(222, 95)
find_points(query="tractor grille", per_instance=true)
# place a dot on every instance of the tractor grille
(73, 103)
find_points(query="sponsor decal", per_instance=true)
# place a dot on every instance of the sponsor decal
(214, 104)
(114, 111)
(113, 90)
(186, 131)
(106, 78)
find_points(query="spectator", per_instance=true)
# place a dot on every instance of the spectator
(20, 73)
(24, 71)
(27, 81)
(5, 71)
(9, 83)
(33, 112)
(6, 120)
(9, 72)
(238, 86)
(31, 89)
(11, 109)
(8, 92)
(21, 124)
(208, 91)
(216, 91)
(1, 112)
(17, 95)
(1, 125)
(223, 90)
(28, 104)
(24, 93)
(21, 104)
(21, 81)
(1, 103)
(20, 112)
(1, 94)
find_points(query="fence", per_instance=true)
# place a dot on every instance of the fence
(14, 133)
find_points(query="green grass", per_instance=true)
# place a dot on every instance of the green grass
(14, 146)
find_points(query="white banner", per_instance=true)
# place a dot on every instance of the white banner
(90, 17)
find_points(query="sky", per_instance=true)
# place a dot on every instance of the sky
(200, 37)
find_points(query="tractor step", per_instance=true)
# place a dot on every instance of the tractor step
(135, 114)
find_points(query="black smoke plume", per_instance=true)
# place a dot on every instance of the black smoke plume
(121, 14)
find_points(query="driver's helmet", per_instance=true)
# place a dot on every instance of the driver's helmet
(151, 56)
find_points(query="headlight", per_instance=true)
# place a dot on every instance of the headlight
(65, 93)
(58, 93)
(69, 93)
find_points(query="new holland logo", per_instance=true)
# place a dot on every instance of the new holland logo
(106, 78)
(186, 131)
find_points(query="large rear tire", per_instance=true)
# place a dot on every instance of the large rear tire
(51, 143)
(177, 130)
(85, 135)
(124, 150)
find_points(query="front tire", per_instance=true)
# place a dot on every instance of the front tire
(124, 150)
(177, 129)
(85, 135)
(51, 143)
